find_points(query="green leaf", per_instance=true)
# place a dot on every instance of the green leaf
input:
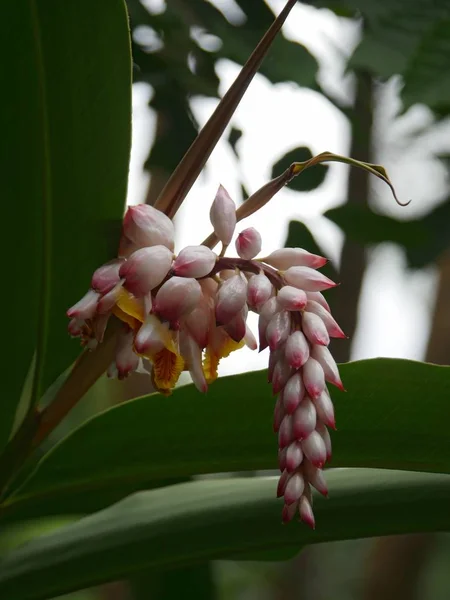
(382, 422)
(191, 522)
(65, 151)
(310, 179)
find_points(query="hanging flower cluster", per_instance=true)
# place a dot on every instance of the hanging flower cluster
(187, 311)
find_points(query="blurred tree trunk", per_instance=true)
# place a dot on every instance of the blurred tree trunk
(353, 258)
(438, 350)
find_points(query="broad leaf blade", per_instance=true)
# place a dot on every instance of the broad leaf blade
(381, 422)
(192, 522)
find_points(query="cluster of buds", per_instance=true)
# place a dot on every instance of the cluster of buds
(187, 311)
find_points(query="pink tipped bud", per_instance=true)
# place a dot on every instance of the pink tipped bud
(291, 298)
(288, 512)
(294, 488)
(274, 357)
(146, 269)
(150, 337)
(328, 364)
(146, 226)
(306, 512)
(223, 216)
(75, 327)
(304, 419)
(108, 301)
(198, 322)
(177, 297)
(270, 308)
(84, 308)
(107, 276)
(297, 349)
(325, 435)
(278, 329)
(315, 477)
(281, 373)
(284, 478)
(320, 299)
(237, 327)
(192, 355)
(231, 298)
(282, 458)
(332, 327)
(194, 261)
(278, 414)
(294, 257)
(248, 243)
(126, 360)
(259, 290)
(308, 279)
(314, 449)
(285, 432)
(293, 393)
(313, 378)
(294, 456)
(314, 329)
(325, 409)
(249, 339)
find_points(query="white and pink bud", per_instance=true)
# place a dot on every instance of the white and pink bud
(308, 279)
(177, 297)
(199, 321)
(313, 378)
(315, 477)
(259, 290)
(304, 419)
(231, 298)
(325, 409)
(285, 434)
(150, 338)
(314, 329)
(294, 488)
(146, 226)
(288, 513)
(294, 257)
(107, 276)
(314, 449)
(293, 393)
(325, 435)
(281, 374)
(294, 457)
(192, 355)
(194, 261)
(223, 216)
(268, 310)
(291, 298)
(249, 339)
(237, 327)
(331, 325)
(306, 512)
(278, 329)
(75, 327)
(86, 307)
(328, 364)
(297, 349)
(278, 414)
(145, 269)
(108, 301)
(248, 243)
(127, 360)
(284, 478)
(320, 299)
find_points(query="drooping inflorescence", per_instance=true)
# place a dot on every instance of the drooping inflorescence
(187, 311)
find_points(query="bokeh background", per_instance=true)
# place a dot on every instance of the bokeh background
(356, 77)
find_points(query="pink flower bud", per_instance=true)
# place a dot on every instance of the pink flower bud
(314, 329)
(231, 298)
(259, 290)
(192, 355)
(304, 419)
(199, 321)
(291, 298)
(325, 435)
(107, 276)
(236, 327)
(194, 261)
(75, 327)
(328, 364)
(294, 456)
(148, 339)
(278, 414)
(294, 488)
(108, 301)
(325, 409)
(223, 216)
(249, 339)
(308, 279)
(293, 393)
(278, 329)
(270, 308)
(282, 458)
(285, 432)
(294, 257)
(288, 512)
(146, 269)
(146, 226)
(314, 449)
(281, 373)
(248, 243)
(320, 299)
(332, 327)
(177, 297)
(306, 512)
(315, 477)
(126, 360)
(284, 478)
(274, 357)
(313, 378)
(297, 349)
(84, 308)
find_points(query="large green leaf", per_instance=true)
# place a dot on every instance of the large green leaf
(191, 522)
(391, 416)
(65, 150)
